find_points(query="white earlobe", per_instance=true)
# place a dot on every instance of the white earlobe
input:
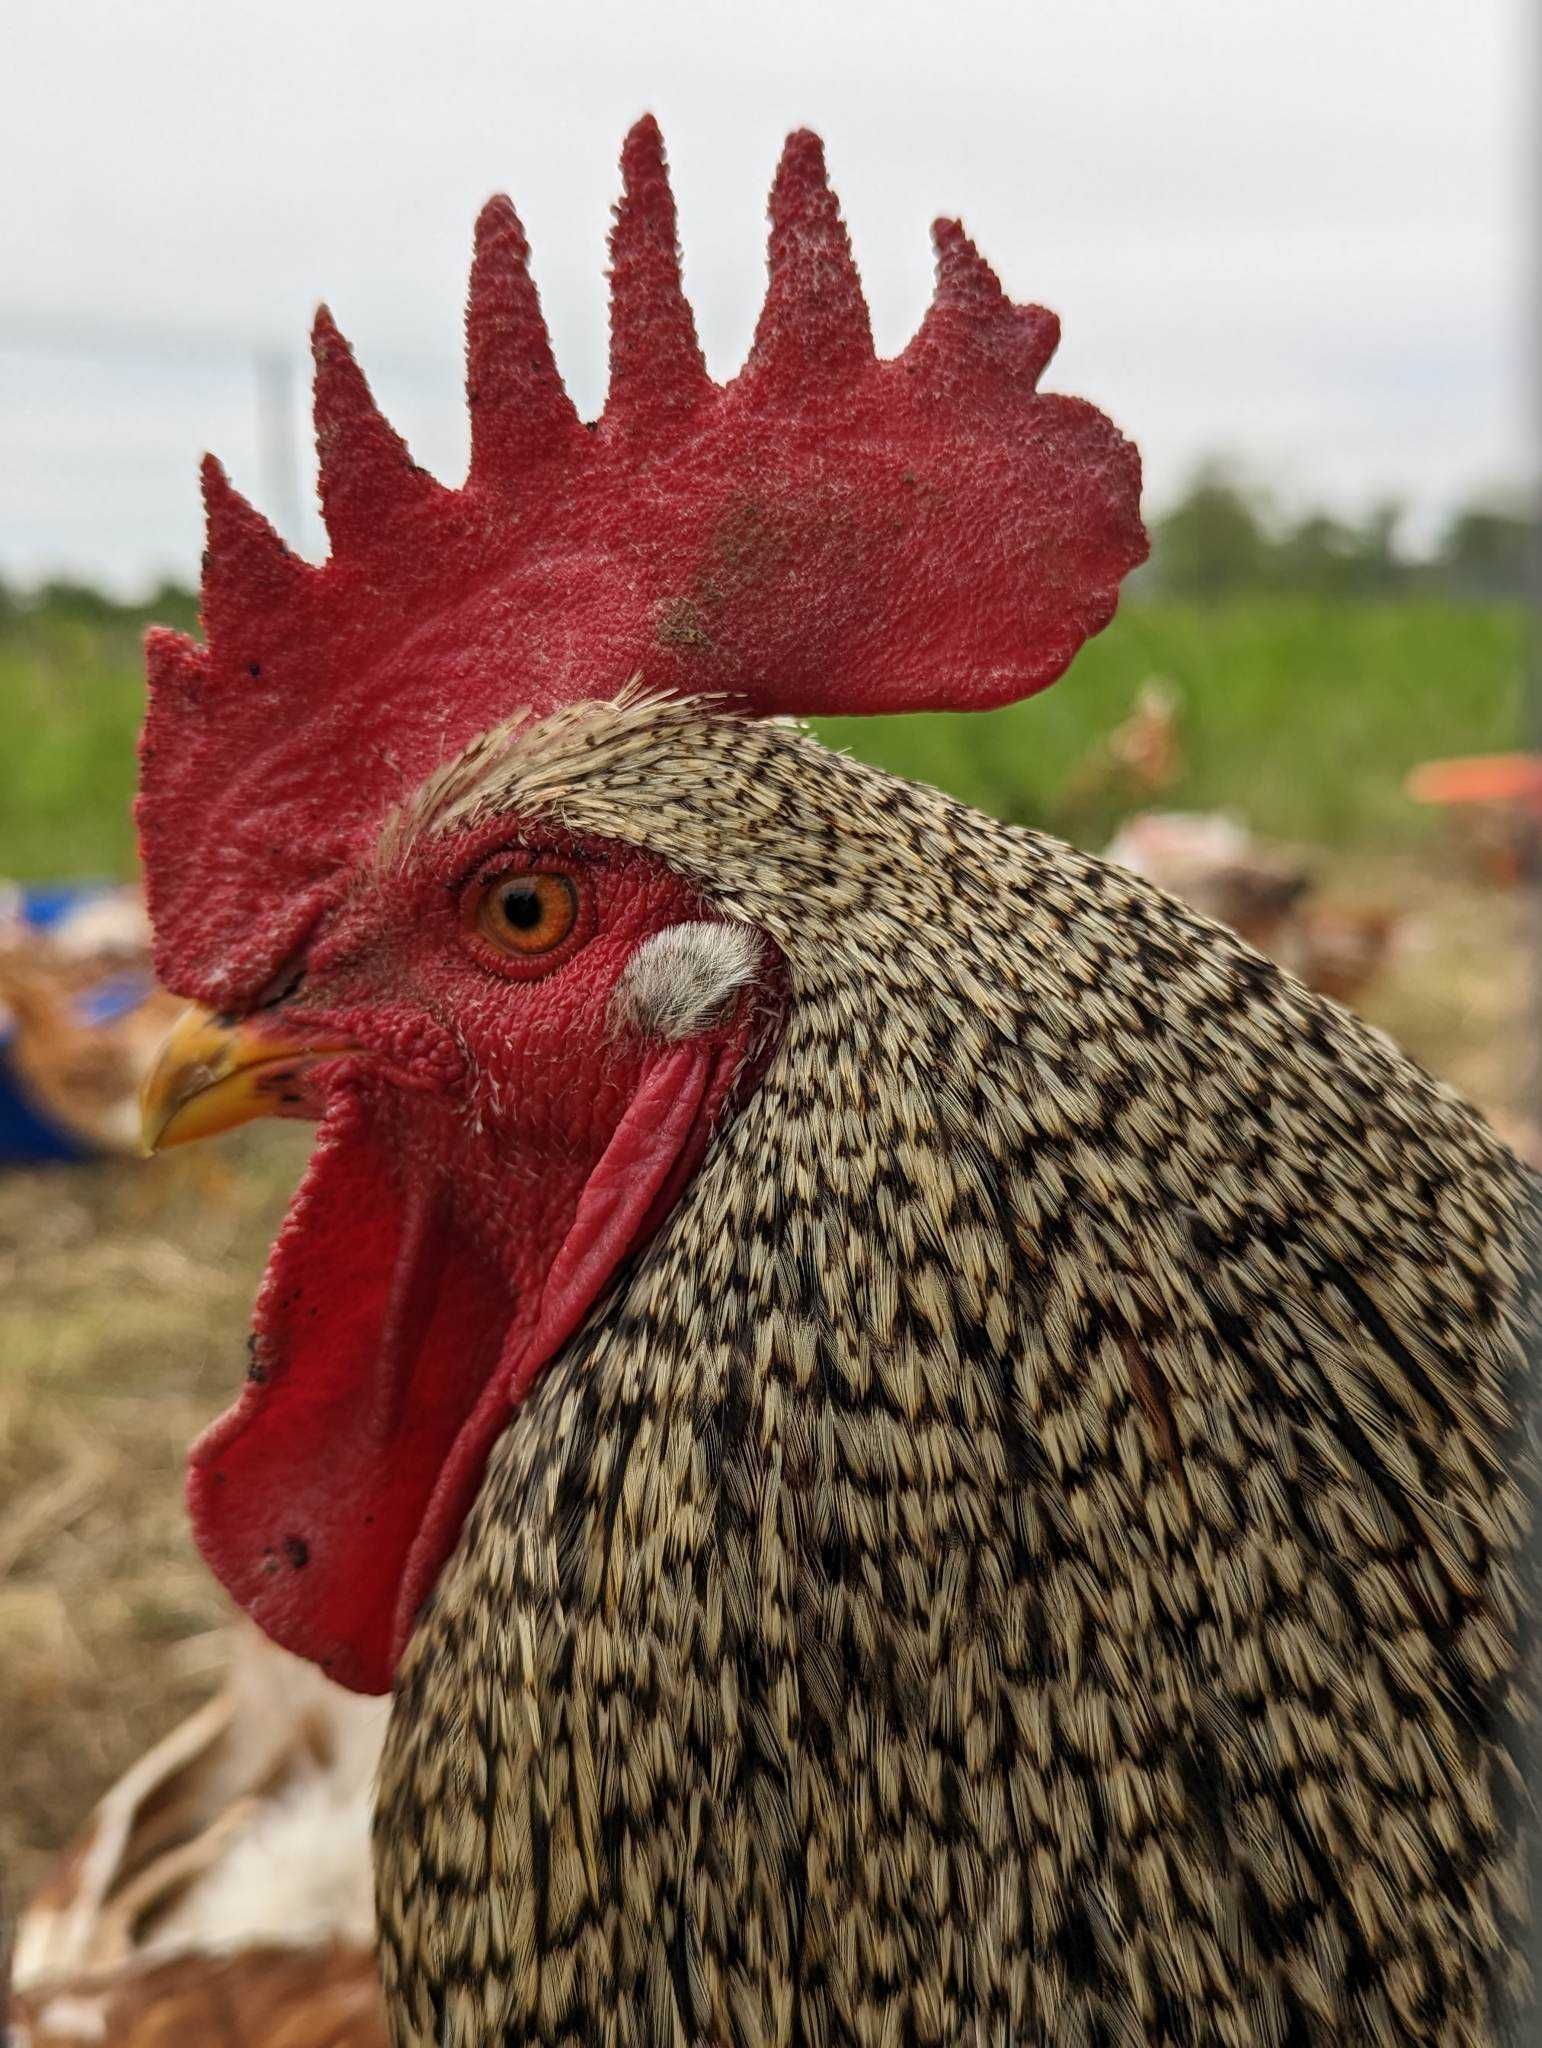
(680, 980)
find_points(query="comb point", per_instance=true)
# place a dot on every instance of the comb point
(173, 660)
(642, 151)
(500, 232)
(973, 336)
(247, 568)
(520, 409)
(656, 365)
(367, 477)
(814, 323)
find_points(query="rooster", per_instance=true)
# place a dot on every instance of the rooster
(931, 1447)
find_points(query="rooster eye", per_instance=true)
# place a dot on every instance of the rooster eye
(520, 913)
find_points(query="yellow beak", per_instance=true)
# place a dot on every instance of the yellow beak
(210, 1076)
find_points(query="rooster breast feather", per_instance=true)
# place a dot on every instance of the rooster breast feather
(1033, 1549)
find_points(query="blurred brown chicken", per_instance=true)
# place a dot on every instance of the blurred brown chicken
(1264, 894)
(256, 1998)
(1140, 758)
(219, 1896)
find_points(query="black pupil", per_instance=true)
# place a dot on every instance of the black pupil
(522, 908)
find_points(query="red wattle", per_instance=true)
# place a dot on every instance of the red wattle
(390, 1353)
(618, 1208)
(376, 1328)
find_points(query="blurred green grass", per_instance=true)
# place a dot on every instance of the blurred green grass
(71, 696)
(1301, 715)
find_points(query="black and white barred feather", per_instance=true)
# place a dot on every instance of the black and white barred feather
(1032, 1552)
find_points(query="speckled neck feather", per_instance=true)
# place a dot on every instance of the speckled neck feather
(1031, 1552)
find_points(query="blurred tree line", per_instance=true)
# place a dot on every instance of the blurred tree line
(1224, 535)
(63, 600)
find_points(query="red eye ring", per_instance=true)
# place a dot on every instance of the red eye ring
(523, 914)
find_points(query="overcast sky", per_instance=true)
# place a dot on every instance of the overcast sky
(1291, 230)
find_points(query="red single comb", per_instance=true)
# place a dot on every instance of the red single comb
(826, 533)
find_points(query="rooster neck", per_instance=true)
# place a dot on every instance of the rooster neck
(981, 1476)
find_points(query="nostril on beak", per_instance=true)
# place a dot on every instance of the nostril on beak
(213, 1073)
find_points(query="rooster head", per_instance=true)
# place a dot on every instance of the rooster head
(518, 1041)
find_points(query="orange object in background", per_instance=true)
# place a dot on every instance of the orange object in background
(1495, 802)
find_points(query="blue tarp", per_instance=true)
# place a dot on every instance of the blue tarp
(28, 1135)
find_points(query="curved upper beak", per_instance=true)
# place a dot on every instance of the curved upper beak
(211, 1075)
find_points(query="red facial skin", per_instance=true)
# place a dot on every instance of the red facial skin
(483, 1168)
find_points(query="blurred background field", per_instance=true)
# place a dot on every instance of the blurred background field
(1304, 712)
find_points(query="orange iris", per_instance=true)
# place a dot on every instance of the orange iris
(525, 914)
